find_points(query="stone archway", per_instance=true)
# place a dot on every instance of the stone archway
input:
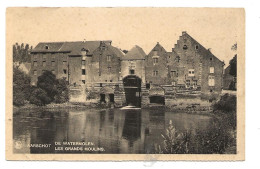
(157, 95)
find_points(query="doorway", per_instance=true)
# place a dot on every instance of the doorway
(157, 100)
(132, 86)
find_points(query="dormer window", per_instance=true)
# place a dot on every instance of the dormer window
(185, 47)
(197, 47)
(46, 47)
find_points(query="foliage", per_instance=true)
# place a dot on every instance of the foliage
(232, 86)
(233, 66)
(21, 53)
(39, 97)
(174, 142)
(217, 139)
(226, 109)
(21, 87)
(92, 94)
(47, 81)
(62, 94)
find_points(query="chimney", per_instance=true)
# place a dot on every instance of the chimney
(184, 32)
(209, 49)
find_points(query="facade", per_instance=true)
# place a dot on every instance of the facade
(98, 70)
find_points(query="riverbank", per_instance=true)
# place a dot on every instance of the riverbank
(67, 105)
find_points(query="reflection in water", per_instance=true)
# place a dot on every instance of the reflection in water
(114, 130)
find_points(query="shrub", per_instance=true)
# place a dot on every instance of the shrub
(174, 142)
(47, 82)
(19, 98)
(225, 108)
(21, 87)
(39, 97)
(62, 91)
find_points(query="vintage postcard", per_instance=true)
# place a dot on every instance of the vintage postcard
(125, 84)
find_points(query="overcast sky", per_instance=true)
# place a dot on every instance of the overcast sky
(217, 29)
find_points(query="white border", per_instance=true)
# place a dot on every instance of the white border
(252, 79)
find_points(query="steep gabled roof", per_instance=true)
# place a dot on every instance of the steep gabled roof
(52, 47)
(204, 50)
(156, 47)
(117, 51)
(135, 53)
(74, 48)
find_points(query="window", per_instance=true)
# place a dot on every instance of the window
(188, 83)
(83, 81)
(52, 63)
(178, 59)
(210, 59)
(173, 73)
(64, 71)
(100, 84)
(155, 73)
(35, 57)
(53, 71)
(47, 47)
(196, 47)
(44, 57)
(108, 58)
(35, 72)
(132, 71)
(53, 57)
(83, 71)
(109, 69)
(211, 70)
(44, 63)
(191, 72)
(185, 47)
(211, 81)
(155, 60)
(147, 85)
(195, 82)
(83, 62)
(64, 62)
(35, 63)
(103, 47)
(111, 80)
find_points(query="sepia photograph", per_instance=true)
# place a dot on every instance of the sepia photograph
(125, 83)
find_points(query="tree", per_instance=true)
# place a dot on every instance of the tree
(39, 97)
(62, 94)
(21, 53)
(21, 87)
(47, 82)
(233, 66)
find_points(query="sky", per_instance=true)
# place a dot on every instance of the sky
(215, 28)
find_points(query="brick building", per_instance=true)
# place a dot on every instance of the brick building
(99, 70)
(188, 66)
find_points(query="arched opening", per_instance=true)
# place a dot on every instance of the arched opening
(111, 98)
(157, 100)
(102, 98)
(132, 87)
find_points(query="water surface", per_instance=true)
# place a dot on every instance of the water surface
(103, 131)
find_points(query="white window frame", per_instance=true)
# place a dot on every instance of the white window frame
(211, 70)
(191, 72)
(109, 58)
(211, 80)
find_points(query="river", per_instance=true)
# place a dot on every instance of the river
(102, 131)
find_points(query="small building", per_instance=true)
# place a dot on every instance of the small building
(133, 75)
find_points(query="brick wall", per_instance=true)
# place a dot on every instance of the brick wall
(157, 52)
